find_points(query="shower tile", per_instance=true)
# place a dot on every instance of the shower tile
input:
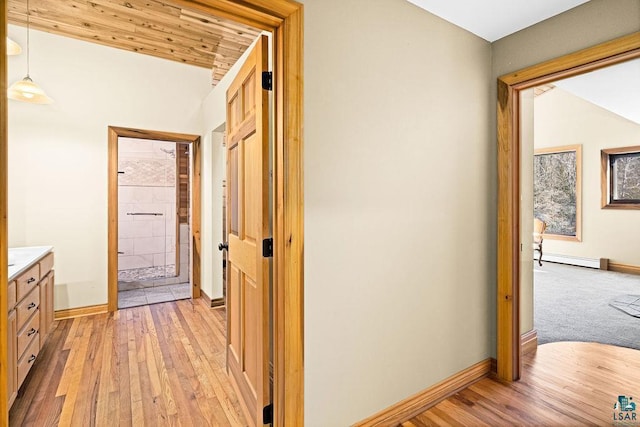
(184, 233)
(184, 251)
(134, 145)
(126, 246)
(135, 261)
(149, 246)
(123, 208)
(159, 227)
(124, 285)
(134, 194)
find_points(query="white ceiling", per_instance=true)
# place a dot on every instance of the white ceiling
(494, 19)
(615, 88)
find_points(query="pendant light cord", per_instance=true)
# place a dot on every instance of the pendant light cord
(27, 38)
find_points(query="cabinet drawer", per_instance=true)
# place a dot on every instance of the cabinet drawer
(29, 356)
(28, 333)
(11, 296)
(27, 281)
(46, 264)
(27, 307)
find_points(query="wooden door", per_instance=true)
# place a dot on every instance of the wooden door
(247, 226)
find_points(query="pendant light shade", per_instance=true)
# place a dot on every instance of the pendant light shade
(13, 48)
(26, 90)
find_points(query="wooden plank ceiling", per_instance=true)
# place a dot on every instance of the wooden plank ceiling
(151, 27)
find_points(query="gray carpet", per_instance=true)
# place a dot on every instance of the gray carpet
(573, 304)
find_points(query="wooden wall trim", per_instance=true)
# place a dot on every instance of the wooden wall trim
(529, 342)
(508, 268)
(420, 402)
(114, 133)
(81, 311)
(623, 268)
(215, 302)
(4, 238)
(508, 120)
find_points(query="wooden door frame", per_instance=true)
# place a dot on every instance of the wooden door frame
(112, 206)
(284, 18)
(508, 133)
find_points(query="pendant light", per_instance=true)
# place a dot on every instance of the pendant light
(13, 48)
(26, 90)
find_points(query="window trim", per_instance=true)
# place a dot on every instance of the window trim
(606, 182)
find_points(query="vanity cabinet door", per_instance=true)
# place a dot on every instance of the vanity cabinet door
(12, 356)
(46, 307)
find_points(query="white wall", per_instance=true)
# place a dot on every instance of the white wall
(561, 118)
(399, 264)
(214, 115)
(58, 153)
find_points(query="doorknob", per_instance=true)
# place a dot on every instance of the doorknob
(223, 246)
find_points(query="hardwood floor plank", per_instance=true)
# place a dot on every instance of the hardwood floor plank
(563, 383)
(147, 366)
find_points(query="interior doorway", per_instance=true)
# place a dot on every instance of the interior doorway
(154, 217)
(510, 224)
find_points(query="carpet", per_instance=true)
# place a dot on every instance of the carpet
(573, 304)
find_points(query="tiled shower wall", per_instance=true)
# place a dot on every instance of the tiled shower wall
(148, 185)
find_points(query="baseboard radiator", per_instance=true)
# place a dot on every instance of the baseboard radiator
(599, 263)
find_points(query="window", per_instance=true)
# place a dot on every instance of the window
(557, 191)
(621, 178)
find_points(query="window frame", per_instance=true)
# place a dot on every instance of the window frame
(606, 181)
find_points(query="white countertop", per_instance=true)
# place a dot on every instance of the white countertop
(20, 259)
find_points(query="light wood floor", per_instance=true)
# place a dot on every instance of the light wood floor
(563, 384)
(156, 365)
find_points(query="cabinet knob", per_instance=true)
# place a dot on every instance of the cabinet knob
(30, 306)
(32, 358)
(31, 332)
(31, 280)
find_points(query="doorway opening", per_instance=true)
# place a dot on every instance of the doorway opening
(154, 217)
(510, 224)
(562, 178)
(153, 222)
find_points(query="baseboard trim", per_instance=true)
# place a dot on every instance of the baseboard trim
(420, 402)
(529, 342)
(624, 268)
(70, 313)
(215, 302)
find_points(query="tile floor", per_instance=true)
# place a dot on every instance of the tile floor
(153, 295)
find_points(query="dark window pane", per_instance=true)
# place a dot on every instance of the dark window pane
(625, 173)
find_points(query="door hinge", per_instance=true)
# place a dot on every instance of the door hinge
(267, 247)
(267, 414)
(267, 80)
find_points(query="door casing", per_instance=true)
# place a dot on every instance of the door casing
(112, 206)
(508, 131)
(284, 18)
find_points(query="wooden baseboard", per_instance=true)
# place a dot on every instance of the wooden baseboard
(624, 268)
(418, 403)
(529, 341)
(81, 311)
(216, 302)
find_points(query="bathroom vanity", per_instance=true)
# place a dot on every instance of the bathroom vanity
(30, 301)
